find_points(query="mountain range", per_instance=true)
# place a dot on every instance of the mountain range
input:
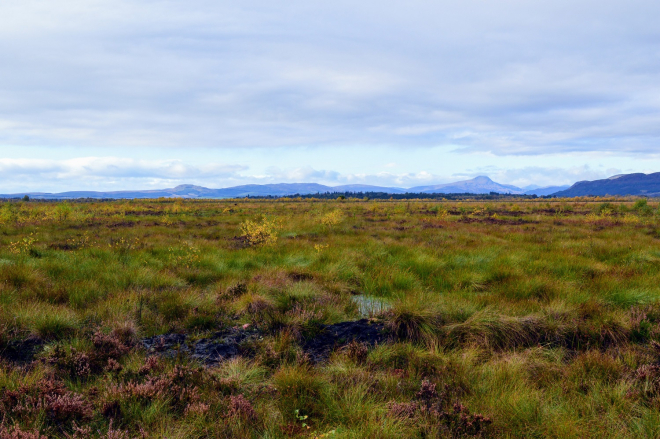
(478, 185)
(624, 184)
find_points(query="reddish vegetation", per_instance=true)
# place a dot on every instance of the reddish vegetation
(16, 433)
(50, 396)
(455, 418)
(241, 408)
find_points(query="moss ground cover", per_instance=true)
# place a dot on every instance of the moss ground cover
(521, 318)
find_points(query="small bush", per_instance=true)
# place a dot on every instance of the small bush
(333, 218)
(24, 246)
(642, 207)
(241, 408)
(260, 233)
(357, 351)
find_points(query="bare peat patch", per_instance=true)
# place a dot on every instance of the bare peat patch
(231, 343)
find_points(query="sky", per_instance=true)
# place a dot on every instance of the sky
(127, 94)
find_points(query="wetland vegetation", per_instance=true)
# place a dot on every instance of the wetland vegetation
(348, 318)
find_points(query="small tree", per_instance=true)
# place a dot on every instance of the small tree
(26, 198)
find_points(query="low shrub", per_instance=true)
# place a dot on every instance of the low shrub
(260, 233)
(437, 410)
(48, 398)
(15, 432)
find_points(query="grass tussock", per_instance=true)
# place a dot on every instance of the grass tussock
(414, 318)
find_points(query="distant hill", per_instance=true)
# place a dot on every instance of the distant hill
(192, 191)
(548, 190)
(478, 185)
(624, 184)
(263, 190)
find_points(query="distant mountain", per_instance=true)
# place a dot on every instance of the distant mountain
(547, 190)
(263, 190)
(478, 185)
(624, 184)
(191, 191)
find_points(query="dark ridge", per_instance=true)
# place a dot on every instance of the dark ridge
(626, 184)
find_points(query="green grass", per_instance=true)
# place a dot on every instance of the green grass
(541, 315)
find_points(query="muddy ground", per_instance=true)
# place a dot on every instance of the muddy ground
(227, 344)
(235, 342)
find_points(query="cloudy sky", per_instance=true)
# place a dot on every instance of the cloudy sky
(118, 94)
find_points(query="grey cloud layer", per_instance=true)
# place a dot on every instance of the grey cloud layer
(510, 77)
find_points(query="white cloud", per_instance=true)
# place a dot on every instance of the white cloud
(300, 175)
(546, 176)
(103, 172)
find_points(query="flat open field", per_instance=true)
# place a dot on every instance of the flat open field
(333, 319)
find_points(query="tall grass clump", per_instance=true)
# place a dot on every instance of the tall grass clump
(414, 317)
(490, 330)
(48, 321)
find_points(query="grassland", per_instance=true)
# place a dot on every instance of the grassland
(507, 319)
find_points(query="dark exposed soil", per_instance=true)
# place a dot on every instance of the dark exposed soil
(221, 346)
(299, 276)
(231, 343)
(21, 351)
(238, 242)
(490, 220)
(335, 336)
(121, 225)
(430, 225)
(144, 213)
(167, 344)
(227, 344)
(65, 246)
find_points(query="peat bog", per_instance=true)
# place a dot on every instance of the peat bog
(345, 318)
